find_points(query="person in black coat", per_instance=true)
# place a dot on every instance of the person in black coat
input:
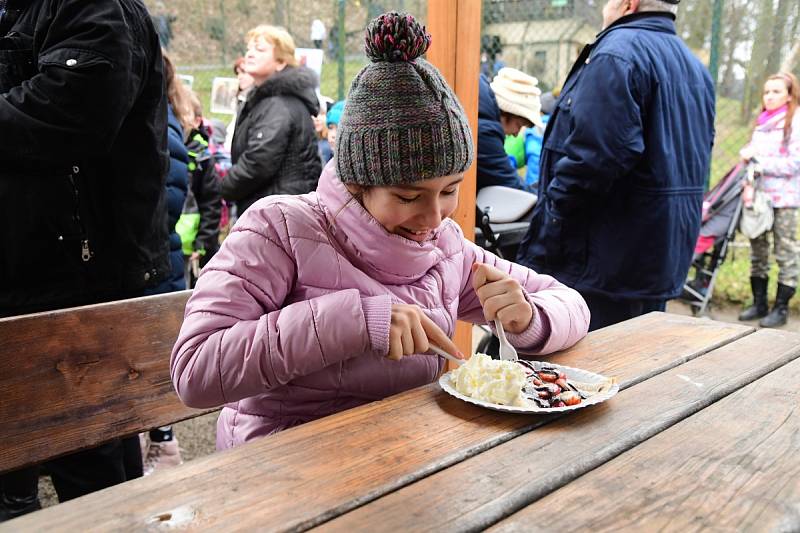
(83, 151)
(275, 144)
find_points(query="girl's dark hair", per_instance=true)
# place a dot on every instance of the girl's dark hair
(793, 87)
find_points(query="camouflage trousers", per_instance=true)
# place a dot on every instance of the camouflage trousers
(784, 236)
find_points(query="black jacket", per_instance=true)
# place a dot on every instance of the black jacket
(83, 152)
(203, 197)
(494, 167)
(625, 155)
(274, 144)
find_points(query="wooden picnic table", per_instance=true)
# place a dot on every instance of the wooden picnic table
(704, 434)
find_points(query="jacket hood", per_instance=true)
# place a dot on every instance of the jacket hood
(387, 257)
(172, 121)
(487, 104)
(299, 82)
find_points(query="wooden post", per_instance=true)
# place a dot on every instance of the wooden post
(455, 26)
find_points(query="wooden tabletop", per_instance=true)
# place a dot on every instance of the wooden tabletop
(704, 434)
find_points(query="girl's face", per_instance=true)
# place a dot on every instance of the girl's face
(260, 62)
(319, 122)
(332, 134)
(775, 94)
(415, 210)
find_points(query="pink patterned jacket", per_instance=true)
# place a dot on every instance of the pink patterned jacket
(781, 168)
(290, 320)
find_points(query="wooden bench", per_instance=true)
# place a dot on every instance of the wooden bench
(75, 378)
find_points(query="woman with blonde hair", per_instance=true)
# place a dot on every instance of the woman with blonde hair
(274, 148)
(775, 146)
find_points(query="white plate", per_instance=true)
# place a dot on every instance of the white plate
(575, 374)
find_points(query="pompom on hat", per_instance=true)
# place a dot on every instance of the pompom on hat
(402, 123)
(518, 94)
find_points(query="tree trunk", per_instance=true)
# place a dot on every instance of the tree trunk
(280, 13)
(777, 45)
(734, 34)
(756, 70)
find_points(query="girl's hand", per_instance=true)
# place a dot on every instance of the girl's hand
(747, 154)
(502, 297)
(411, 331)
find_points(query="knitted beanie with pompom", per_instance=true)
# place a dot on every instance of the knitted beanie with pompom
(401, 123)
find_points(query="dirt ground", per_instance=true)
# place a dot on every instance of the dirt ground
(196, 436)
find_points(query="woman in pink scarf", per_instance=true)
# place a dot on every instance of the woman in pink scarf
(775, 145)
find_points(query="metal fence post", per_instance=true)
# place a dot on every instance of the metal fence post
(340, 47)
(713, 62)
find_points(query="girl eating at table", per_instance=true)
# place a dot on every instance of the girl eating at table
(326, 301)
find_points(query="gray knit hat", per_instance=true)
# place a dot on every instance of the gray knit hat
(402, 123)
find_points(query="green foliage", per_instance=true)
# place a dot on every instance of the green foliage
(243, 6)
(215, 26)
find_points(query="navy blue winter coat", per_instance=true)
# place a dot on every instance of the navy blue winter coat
(177, 184)
(494, 167)
(625, 156)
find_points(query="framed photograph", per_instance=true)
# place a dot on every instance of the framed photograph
(311, 58)
(223, 95)
(187, 79)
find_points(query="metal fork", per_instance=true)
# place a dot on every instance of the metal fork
(507, 352)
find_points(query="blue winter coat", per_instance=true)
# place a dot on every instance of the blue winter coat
(494, 168)
(625, 155)
(177, 184)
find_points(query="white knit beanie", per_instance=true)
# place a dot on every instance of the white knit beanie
(518, 94)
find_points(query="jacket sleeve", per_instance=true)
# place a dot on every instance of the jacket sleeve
(606, 137)
(493, 164)
(86, 83)
(209, 205)
(560, 315)
(786, 165)
(533, 152)
(240, 337)
(267, 140)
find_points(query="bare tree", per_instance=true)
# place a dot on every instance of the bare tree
(777, 45)
(756, 70)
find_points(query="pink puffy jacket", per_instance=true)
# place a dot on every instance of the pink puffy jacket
(290, 320)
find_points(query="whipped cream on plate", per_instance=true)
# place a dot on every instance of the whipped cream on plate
(491, 380)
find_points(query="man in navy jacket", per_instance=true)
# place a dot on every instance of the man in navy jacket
(625, 156)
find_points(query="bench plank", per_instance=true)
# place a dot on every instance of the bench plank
(74, 378)
(310, 474)
(710, 472)
(477, 493)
